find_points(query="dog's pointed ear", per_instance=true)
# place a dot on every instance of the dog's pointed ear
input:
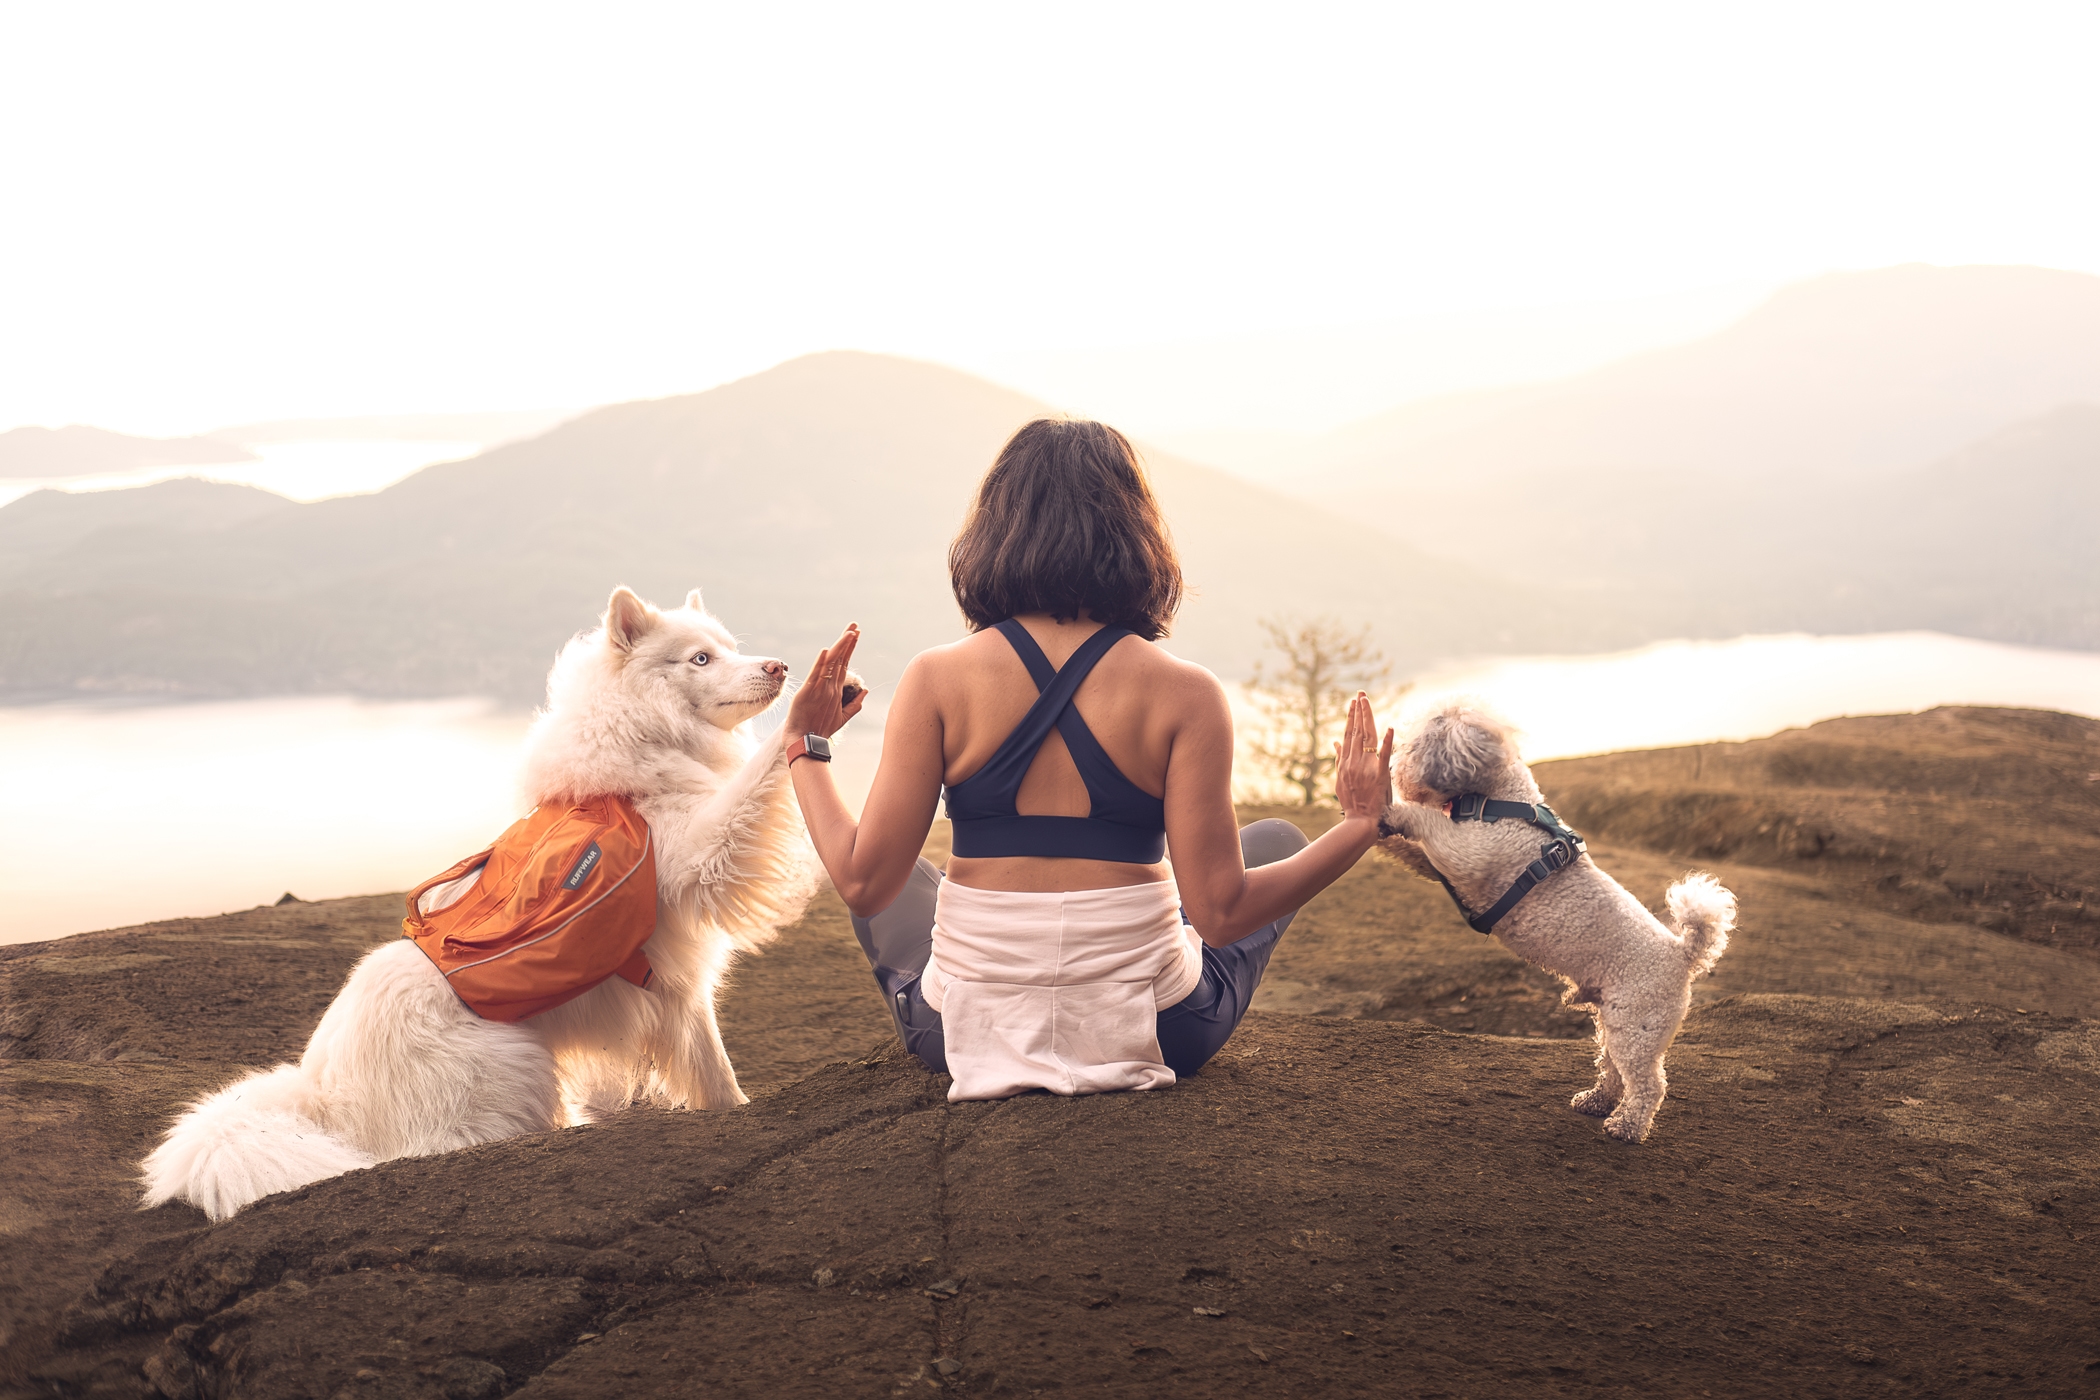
(627, 618)
(692, 600)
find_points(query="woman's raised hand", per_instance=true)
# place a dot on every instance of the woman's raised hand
(1363, 766)
(819, 706)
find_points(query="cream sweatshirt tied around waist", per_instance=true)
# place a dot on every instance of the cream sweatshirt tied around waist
(1057, 991)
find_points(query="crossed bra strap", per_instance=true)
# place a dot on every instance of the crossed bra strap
(1125, 823)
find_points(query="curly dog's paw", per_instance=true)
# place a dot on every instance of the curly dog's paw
(1409, 855)
(1594, 1103)
(1626, 1129)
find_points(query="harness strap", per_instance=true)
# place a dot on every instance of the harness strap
(1557, 854)
(1473, 807)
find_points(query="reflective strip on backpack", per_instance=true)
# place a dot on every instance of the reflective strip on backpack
(640, 861)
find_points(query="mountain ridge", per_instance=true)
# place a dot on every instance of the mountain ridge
(821, 491)
(47, 521)
(1958, 352)
(827, 488)
(1847, 458)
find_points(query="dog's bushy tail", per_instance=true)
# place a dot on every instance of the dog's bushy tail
(1703, 912)
(252, 1139)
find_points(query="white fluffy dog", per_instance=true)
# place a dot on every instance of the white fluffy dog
(652, 705)
(1633, 974)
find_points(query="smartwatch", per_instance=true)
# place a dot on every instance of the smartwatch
(814, 746)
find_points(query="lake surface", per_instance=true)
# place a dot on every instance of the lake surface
(1698, 692)
(122, 814)
(300, 471)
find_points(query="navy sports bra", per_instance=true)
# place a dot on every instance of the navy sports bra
(1125, 823)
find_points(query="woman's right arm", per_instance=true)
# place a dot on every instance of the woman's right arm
(870, 859)
(1224, 900)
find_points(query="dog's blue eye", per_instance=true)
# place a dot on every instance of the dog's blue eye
(700, 659)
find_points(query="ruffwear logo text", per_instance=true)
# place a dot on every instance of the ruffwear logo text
(585, 864)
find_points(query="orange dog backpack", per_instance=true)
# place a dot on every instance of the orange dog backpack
(564, 899)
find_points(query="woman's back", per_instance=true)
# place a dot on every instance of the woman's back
(1136, 701)
(1060, 951)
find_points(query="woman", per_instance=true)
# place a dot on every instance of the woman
(1076, 756)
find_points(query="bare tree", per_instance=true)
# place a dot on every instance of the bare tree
(1305, 699)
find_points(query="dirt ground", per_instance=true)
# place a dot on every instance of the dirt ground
(1988, 817)
(1875, 1172)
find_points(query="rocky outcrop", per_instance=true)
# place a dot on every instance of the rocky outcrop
(1839, 1194)
(1875, 1171)
(1988, 817)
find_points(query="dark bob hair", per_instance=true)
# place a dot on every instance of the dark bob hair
(1064, 522)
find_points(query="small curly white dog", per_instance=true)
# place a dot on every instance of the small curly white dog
(652, 705)
(1471, 816)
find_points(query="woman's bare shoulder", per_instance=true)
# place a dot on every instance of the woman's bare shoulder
(948, 665)
(962, 653)
(1172, 677)
(1131, 661)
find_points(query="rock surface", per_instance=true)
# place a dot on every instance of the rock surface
(1372, 1208)
(1989, 817)
(1886, 1190)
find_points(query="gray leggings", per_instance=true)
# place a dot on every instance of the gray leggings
(899, 940)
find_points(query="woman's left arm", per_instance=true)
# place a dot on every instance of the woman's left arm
(1224, 900)
(868, 860)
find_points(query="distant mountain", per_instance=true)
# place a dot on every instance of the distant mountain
(1995, 540)
(83, 451)
(1917, 448)
(47, 522)
(1853, 374)
(1910, 448)
(822, 491)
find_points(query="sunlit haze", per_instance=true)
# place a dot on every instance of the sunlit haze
(216, 802)
(227, 213)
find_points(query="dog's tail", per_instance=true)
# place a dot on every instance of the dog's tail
(1703, 912)
(252, 1139)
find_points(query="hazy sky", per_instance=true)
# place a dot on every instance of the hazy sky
(218, 213)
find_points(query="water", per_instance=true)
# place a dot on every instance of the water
(302, 471)
(1698, 692)
(118, 815)
(121, 814)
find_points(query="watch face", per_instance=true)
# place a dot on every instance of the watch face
(818, 746)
